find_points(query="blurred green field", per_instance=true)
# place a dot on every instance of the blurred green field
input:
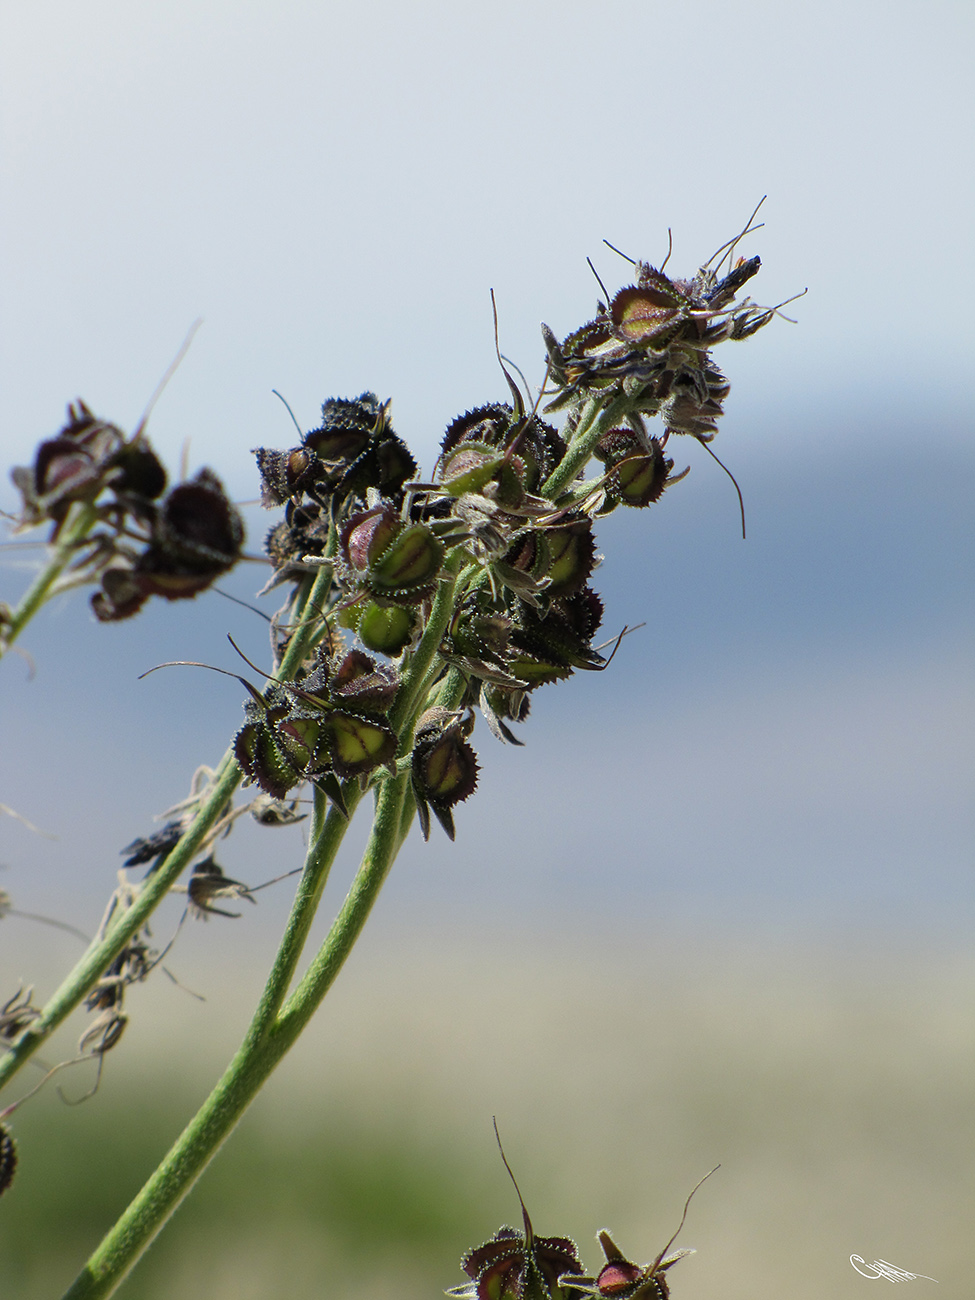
(834, 1088)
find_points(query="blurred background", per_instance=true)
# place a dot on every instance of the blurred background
(719, 908)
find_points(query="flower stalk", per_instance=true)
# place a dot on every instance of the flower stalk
(81, 520)
(411, 604)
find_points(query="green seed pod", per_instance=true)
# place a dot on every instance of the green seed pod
(387, 629)
(264, 761)
(470, 467)
(635, 477)
(649, 315)
(571, 556)
(444, 767)
(356, 745)
(408, 568)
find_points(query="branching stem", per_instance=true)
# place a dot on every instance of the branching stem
(81, 519)
(279, 1018)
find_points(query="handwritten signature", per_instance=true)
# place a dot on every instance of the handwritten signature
(882, 1269)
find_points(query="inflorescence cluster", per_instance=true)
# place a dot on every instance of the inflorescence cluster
(410, 603)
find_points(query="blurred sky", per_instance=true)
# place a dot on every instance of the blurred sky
(334, 189)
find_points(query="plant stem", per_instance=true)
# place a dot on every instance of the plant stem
(595, 420)
(278, 1023)
(103, 952)
(410, 696)
(266, 1043)
(81, 518)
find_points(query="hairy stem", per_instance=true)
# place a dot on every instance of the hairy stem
(79, 982)
(277, 1022)
(267, 1041)
(81, 519)
(104, 951)
(595, 420)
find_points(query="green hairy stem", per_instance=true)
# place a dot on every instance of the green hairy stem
(280, 1019)
(475, 590)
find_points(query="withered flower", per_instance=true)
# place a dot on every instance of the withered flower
(207, 883)
(16, 1014)
(154, 849)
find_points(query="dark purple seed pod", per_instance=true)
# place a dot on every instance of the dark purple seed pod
(8, 1159)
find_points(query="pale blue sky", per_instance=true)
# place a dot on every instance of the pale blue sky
(334, 189)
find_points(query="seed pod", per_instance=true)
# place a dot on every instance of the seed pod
(444, 767)
(74, 466)
(519, 1265)
(538, 446)
(367, 534)
(262, 758)
(649, 315)
(636, 478)
(197, 535)
(120, 597)
(284, 474)
(408, 568)
(395, 561)
(138, 470)
(360, 683)
(356, 745)
(469, 468)
(358, 450)
(8, 1159)
(571, 556)
(386, 628)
